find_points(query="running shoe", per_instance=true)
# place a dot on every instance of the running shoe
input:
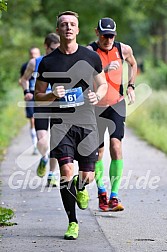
(41, 170)
(103, 202)
(51, 181)
(72, 231)
(82, 197)
(115, 205)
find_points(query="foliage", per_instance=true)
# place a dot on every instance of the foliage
(157, 33)
(3, 6)
(149, 120)
(27, 22)
(156, 76)
(12, 118)
(5, 215)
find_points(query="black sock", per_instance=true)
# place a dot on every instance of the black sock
(68, 195)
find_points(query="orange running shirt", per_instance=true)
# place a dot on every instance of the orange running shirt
(114, 77)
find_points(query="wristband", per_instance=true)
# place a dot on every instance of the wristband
(132, 86)
(26, 91)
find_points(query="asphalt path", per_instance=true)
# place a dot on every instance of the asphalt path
(41, 220)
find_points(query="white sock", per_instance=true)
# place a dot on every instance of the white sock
(33, 136)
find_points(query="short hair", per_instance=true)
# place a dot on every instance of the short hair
(72, 13)
(51, 38)
(32, 48)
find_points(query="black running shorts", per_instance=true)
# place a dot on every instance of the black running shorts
(79, 143)
(113, 118)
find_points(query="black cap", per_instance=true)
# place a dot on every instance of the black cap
(106, 26)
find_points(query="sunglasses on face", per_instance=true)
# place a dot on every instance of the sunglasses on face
(107, 36)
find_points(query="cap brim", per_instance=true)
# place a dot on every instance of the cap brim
(108, 32)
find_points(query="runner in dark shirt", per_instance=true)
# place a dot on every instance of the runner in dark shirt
(72, 71)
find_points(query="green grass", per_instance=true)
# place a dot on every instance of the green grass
(150, 119)
(12, 118)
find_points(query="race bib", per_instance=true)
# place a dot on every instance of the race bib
(73, 97)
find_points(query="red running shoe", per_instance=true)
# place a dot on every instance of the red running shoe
(103, 202)
(115, 205)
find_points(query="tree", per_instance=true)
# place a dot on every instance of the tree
(157, 18)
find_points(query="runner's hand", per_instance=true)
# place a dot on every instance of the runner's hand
(131, 95)
(59, 91)
(93, 97)
(114, 65)
(28, 97)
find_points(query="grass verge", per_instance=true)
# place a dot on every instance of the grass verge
(12, 119)
(149, 120)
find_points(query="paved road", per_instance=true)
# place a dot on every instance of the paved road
(42, 221)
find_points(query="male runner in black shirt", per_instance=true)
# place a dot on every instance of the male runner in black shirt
(72, 71)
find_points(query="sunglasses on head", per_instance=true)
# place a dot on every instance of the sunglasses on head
(107, 36)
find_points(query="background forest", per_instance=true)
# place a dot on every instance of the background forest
(140, 23)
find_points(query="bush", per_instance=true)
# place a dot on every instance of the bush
(149, 120)
(156, 77)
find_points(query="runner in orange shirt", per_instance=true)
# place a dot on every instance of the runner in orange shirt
(110, 110)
